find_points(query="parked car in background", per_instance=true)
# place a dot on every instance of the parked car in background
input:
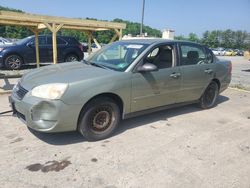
(230, 52)
(239, 52)
(218, 51)
(4, 41)
(23, 51)
(123, 79)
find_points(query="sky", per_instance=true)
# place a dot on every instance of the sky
(183, 16)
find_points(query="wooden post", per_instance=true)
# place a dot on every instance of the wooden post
(89, 42)
(54, 43)
(54, 29)
(36, 31)
(37, 50)
(120, 35)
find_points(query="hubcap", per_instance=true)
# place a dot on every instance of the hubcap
(14, 62)
(71, 58)
(101, 119)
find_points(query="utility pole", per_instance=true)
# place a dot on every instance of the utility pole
(142, 17)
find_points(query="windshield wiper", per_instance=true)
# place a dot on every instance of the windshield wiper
(86, 62)
(98, 65)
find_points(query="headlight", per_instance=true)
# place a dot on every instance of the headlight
(49, 91)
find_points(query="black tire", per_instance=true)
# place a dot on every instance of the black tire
(208, 99)
(71, 58)
(99, 119)
(13, 62)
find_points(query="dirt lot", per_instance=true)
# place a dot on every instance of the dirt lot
(182, 147)
(240, 72)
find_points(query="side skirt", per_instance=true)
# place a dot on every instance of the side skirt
(160, 108)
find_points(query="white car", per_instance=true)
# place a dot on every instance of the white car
(4, 41)
(219, 51)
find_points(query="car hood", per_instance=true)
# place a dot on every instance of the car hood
(6, 45)
(63, 73)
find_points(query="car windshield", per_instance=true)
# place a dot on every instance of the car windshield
(117, 56)
(24, 40)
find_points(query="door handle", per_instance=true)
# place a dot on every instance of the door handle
(175, 75)
(208, 71)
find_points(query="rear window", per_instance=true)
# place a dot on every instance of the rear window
(71, 40)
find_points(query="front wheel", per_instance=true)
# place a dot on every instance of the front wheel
(210, 95)
(99, 119)
(13, 62)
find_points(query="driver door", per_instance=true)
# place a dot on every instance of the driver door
(157, 88)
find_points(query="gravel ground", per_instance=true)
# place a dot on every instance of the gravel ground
(181, 147)
(240, 72)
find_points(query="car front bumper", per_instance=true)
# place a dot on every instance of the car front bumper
(45, 115)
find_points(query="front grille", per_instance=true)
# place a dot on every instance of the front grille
(19, 91)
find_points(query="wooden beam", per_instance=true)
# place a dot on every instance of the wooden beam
(48, 26)
(36, 31)
(113, 38)
(41, 26)
(37, 19)
(97, 43)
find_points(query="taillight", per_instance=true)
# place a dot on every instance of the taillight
(230, 68)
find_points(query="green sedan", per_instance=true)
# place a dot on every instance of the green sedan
(122, 80)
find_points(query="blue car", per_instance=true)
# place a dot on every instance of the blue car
(22, 52)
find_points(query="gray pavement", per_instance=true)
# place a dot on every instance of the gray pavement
(181, 147)
(240, 72)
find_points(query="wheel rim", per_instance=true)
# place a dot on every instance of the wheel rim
(101, 119)
(14, 62)
(71, 58)
(210, 95)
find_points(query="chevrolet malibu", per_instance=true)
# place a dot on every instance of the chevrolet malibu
(122, 80)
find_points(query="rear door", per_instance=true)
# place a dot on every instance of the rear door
(158, 88)
(195, 70)
(61, 45)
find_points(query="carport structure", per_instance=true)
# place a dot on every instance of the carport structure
(36, 23)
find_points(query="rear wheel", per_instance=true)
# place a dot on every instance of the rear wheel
(210, 95)
(71, 58)
(99, 119)
(13, 62)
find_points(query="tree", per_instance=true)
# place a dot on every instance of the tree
(193, 37)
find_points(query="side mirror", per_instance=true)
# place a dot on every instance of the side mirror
(147, 67)
(30, 44)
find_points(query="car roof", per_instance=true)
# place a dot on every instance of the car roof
(154, 41)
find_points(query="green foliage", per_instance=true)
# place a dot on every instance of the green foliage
(218, 38)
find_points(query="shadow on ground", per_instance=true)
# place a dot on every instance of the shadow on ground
(246, 70)
(75, 137)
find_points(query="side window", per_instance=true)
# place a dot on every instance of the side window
(210, 56)
(191, 55)
(42, 41)
(162, 57)
(60, 41)
(49, 40)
